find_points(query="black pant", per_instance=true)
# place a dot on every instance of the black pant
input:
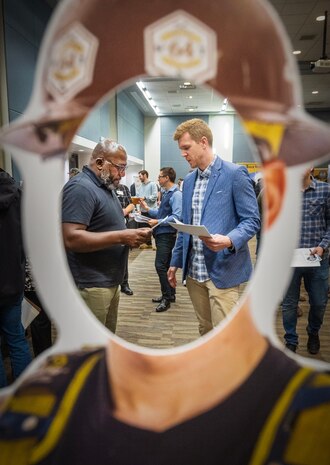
(41, 328)
(125, 278)
(130, 224)
(164, 243)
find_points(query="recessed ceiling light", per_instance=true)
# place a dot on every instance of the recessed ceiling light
(147, 96)
(187, 83)
(296, 52)
(315, 92)
(190, 109)
(190, 96)
(320, 18)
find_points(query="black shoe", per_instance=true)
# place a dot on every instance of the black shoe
(291, 347)
(157, 300)
(126, 290)
(163, 306)
(313, 344)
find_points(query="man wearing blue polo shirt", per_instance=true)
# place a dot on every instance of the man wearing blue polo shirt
(94, 231)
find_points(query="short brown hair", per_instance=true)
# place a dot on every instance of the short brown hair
(144, 173)
(170, 172)
(196, 128)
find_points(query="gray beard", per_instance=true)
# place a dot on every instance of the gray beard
(108, 183)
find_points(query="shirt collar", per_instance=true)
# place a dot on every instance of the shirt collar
(312, 185)
(171, 188)
(207, 172)
(96, 179)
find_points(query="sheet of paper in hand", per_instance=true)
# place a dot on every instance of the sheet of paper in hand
(194, 230)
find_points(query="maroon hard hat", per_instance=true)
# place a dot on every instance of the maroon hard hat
(94, 47)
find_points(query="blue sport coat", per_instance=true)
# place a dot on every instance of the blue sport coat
(229, 208)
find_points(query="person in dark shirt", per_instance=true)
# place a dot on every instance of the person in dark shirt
(125, 200)
(73, 172)
(41, 326)
(95, 233)
(133, 189)
(12, 277)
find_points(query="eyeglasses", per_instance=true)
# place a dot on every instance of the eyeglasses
(162, 176)
(120, 168)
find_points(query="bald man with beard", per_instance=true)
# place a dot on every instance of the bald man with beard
(94, 231)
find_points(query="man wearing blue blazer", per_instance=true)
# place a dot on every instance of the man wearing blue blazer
(219, 195)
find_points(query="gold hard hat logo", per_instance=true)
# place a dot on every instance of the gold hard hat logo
(72, 63)
(182, 46)
(68, 66)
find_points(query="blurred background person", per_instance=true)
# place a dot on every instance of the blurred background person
(314, 235)
(124, 197)
(73, 172)
(165, 235)
(41, 327)
(12, 277)
(148, 191)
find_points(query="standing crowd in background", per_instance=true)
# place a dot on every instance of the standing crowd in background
(99, 230)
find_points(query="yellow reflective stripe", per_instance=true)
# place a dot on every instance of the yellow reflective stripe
(16, 452)
(268, 433)
(321, 380)
(271, 132)
(37, 404)
(309, 441)
(57, 426)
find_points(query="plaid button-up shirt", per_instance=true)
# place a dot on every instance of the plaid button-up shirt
(197, 268)
(315, 226)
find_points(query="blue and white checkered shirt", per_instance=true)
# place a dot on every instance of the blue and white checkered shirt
(315, 226)
(197, 268)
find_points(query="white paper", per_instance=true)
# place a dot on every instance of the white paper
(191, 229)
(159, 222)
(303, 258)
(140, 218)
(29, 312)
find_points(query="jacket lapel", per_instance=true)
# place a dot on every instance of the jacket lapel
(189, 190)
(215, 173)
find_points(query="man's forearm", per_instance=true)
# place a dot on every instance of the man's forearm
(88, 241)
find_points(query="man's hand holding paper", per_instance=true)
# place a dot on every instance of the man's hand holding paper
(216, 242)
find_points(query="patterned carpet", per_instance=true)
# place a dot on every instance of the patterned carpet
(140, 324)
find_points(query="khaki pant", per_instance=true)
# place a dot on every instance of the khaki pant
(103, 302)
(211, 304)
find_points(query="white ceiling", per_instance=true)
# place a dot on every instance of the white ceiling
(171, 99)
(305, 33)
